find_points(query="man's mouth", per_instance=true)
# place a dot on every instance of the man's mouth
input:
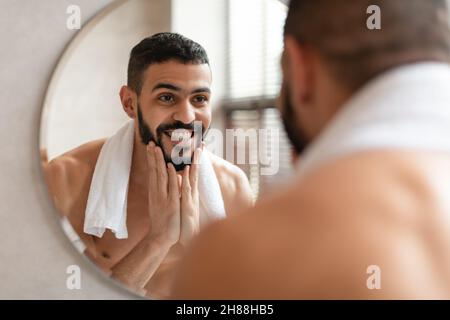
(179, 135)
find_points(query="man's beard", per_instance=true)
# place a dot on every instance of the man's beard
(147, 136)
(294, 132)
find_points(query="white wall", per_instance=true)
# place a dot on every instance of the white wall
(34, 251)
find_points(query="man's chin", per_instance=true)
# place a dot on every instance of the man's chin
(182, 154)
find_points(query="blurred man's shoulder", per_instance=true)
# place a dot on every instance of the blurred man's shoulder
(361, 193)
(331, 224)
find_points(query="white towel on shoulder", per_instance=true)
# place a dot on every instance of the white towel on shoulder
(405, 108)
(107, 200)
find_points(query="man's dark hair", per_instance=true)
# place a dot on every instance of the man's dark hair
(159, 48)
(411, 31)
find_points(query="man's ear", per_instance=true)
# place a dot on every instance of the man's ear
(128, 98)
(299, 71)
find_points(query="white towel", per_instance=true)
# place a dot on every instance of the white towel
(405, 108)
(107, 201)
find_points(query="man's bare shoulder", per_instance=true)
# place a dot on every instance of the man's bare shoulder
(227, 170)
(67, 173)
(318, 238)
(233, 182)
(84, 154)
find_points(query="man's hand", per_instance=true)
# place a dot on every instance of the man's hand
(163, 198)
(172, 218)
(190, 210)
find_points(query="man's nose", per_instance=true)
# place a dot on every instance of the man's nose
(185, 113)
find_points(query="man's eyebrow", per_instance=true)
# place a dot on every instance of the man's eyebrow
(163, 85)
(169, 86)
(203, 89)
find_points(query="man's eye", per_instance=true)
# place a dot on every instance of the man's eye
(167, 98)
(200, 99)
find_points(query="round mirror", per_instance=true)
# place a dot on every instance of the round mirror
(128, 94)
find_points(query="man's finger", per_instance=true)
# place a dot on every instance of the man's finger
(161, 172)
(174, 190)
(195, 168)
(151, 166)
(185, 185)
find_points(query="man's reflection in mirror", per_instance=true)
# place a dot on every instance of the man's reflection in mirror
(128, 198)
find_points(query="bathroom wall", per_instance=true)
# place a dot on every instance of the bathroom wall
(34, 252)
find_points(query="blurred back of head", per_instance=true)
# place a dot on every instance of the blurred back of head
(411, 30)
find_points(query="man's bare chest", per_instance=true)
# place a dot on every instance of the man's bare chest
(112, 250)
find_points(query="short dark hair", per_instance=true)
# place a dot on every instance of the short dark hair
(411, 31)
(159, 48)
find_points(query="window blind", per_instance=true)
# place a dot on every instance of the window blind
(255, 36)
(255, 43)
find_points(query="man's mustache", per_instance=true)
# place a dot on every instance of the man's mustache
(193, 126)
(175, 125)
